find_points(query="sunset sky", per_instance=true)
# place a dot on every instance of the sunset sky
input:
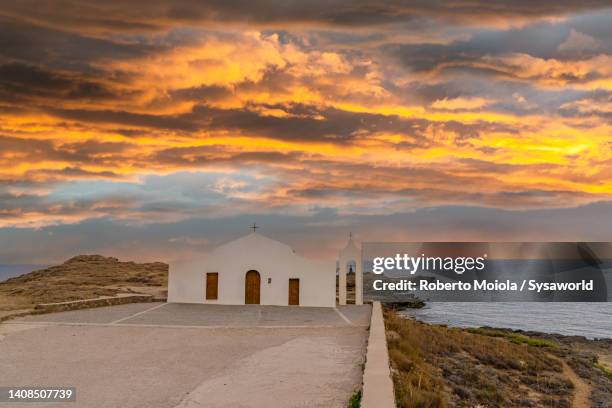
(153, 130)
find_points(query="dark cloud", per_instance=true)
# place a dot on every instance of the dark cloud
(336, 125)
(60, 175)
(35, 149)
(545, 40)
(91, 148)
(306, 123)
(35, 44)
(202, 94)
(87, 152)
(130, 16)
(185, 122)
(588, 104)
(210, 155)
(20, 83)
(428, 197)
(319, 234)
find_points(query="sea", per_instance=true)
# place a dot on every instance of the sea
(11, 270)
(591, 320)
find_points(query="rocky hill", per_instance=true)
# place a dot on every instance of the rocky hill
(83, 277)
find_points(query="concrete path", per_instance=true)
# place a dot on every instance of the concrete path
(154, 355)
(212, 316)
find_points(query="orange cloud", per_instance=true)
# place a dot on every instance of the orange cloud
(334, 125)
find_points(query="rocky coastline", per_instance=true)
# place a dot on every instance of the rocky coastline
(456, 367)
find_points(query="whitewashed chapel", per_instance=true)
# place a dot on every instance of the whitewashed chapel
(255, 269)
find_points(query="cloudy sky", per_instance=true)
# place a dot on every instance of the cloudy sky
(152, 130)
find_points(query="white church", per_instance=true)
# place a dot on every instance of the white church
(255, 269)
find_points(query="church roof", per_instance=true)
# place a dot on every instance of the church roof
(350, 249)
(254, 240)
(350, 244)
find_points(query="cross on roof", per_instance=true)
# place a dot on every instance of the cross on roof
(254, 226)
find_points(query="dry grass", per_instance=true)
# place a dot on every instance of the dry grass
(435, 366)
(82, 277)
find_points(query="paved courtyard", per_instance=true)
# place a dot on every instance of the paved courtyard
(186, 355)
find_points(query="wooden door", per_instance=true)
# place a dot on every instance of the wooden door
(212, 285)
(252, 284)
(294, 291)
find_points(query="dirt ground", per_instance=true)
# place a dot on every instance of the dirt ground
(168, 355)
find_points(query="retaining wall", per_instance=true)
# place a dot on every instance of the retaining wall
(89, 303)
(377, 381)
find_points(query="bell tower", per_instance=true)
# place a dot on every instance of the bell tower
(349, 259)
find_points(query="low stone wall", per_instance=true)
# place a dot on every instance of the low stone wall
(377, 382)
(13, 314)
(90, 303)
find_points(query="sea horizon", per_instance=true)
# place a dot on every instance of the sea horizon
(8, 271)
(588, 319)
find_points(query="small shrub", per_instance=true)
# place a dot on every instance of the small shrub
(516, 338)
(604, 369)
(355, 400)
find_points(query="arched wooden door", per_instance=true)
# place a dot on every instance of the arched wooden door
(252, 283)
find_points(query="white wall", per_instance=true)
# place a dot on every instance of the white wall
(270, 258)
(185, 281)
